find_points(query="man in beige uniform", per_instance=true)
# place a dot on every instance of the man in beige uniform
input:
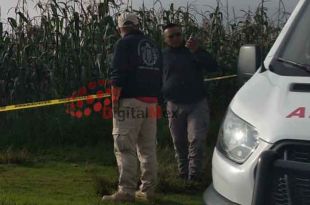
(136, 83)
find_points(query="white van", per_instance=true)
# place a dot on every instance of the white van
(263, 152)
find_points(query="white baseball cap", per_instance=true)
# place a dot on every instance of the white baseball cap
(127, 19)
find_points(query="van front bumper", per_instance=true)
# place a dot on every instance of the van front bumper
(212, 197)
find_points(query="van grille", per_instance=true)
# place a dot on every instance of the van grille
(292, 189)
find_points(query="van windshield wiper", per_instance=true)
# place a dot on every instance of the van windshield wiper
(304, 67)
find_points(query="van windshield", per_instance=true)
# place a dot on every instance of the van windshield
(294, 57)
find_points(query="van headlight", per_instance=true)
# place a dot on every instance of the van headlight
(237, 139)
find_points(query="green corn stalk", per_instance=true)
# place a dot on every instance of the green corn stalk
(72, 42)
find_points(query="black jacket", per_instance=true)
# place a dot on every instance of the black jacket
(137, 66)
(183, 74)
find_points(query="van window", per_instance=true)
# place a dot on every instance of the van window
(294, 57)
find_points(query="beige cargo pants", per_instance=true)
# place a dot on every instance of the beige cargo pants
(134, 132)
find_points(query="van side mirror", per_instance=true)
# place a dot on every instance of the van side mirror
(248, 62)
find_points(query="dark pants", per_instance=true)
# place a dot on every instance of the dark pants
(188, 128)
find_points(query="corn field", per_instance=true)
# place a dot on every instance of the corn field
(70, 43)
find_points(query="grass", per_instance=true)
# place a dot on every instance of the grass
(50, 183)
(42, 171)
(11, 156)
(55, 159)
(66, 181)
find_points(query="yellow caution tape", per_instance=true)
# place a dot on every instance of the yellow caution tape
(220, 78)
(51, 102)
(75, 99)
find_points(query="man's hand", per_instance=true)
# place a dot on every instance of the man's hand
(116, 93)
(192, 44)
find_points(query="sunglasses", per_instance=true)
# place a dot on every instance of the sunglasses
(174, 35)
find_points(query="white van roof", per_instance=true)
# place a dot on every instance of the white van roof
(283, 33)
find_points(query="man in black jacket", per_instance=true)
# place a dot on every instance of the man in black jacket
(183, 89)
(136, 83)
